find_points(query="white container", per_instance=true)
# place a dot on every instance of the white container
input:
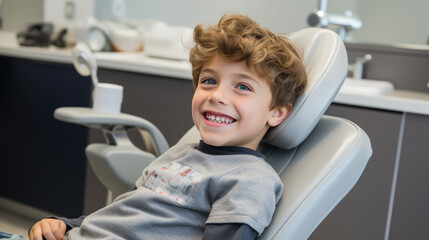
(126, 40)
(164, 41)
(107, 98)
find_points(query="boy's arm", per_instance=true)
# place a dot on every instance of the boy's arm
(53, 228)
(36, 231)
(229, 231)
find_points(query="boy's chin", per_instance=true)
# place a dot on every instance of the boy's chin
(216, 141)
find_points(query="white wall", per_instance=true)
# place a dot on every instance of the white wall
(17, 14)
(280, 16)
(54, 11)
(384, 21)
(394, 21)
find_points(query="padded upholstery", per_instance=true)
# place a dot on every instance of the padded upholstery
(326, 61)
(316, 176)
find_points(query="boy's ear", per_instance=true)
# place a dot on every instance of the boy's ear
(279, 114)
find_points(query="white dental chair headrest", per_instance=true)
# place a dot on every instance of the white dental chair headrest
(325, 58)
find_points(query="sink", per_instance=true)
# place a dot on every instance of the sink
(366, 86)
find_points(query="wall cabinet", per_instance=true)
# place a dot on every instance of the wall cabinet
(364, 212)
(410, 209)
(41, 158)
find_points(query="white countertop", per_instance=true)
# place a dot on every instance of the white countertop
(138, 62)
(397, 100)
(133, 62)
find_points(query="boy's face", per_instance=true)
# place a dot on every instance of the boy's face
(231, 105)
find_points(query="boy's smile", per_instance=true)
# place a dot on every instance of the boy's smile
(213, 117)
(231, 105)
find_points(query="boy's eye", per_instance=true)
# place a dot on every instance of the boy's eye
(244, 87)
(208, 81)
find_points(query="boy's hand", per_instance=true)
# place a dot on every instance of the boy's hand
(49, 229)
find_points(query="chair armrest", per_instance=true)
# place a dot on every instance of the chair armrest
(108, 121)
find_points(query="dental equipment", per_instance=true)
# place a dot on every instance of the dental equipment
(345, 22)
(107, 97)
(84, 62)
(357, 67)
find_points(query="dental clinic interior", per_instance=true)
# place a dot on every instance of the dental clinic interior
(143, 47)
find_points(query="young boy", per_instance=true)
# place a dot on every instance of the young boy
(246, 80)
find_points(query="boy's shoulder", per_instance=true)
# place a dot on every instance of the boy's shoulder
(181, 149)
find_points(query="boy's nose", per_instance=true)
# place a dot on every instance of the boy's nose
(218, 96)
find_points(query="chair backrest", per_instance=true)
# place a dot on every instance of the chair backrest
(325, 58)
(319, 158)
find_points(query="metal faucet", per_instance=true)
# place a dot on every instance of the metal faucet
(345, 22)
(357, 67)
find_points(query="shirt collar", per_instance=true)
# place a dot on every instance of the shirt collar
(227, 150)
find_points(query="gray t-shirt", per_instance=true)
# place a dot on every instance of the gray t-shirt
(182, 191)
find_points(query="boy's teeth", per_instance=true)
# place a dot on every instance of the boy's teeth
(218, 119)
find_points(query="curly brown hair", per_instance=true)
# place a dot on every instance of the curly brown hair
(239, 38)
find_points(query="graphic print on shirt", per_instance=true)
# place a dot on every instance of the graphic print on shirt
(175, 181)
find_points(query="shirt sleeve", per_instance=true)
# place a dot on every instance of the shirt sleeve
(247, 195)
(76, 222)
(72, 222)
(231, 231)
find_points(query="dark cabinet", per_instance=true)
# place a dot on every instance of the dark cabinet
(42, 159)
(390, 200)
(364, 211)
(410, 209)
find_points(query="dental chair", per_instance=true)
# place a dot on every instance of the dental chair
(319, 158)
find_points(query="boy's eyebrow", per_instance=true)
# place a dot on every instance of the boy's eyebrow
(239, 75)
(209, 70)
(247, 76)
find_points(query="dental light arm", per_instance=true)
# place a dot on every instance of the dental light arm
(84, 62)
(346, 22)
(323, 19)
